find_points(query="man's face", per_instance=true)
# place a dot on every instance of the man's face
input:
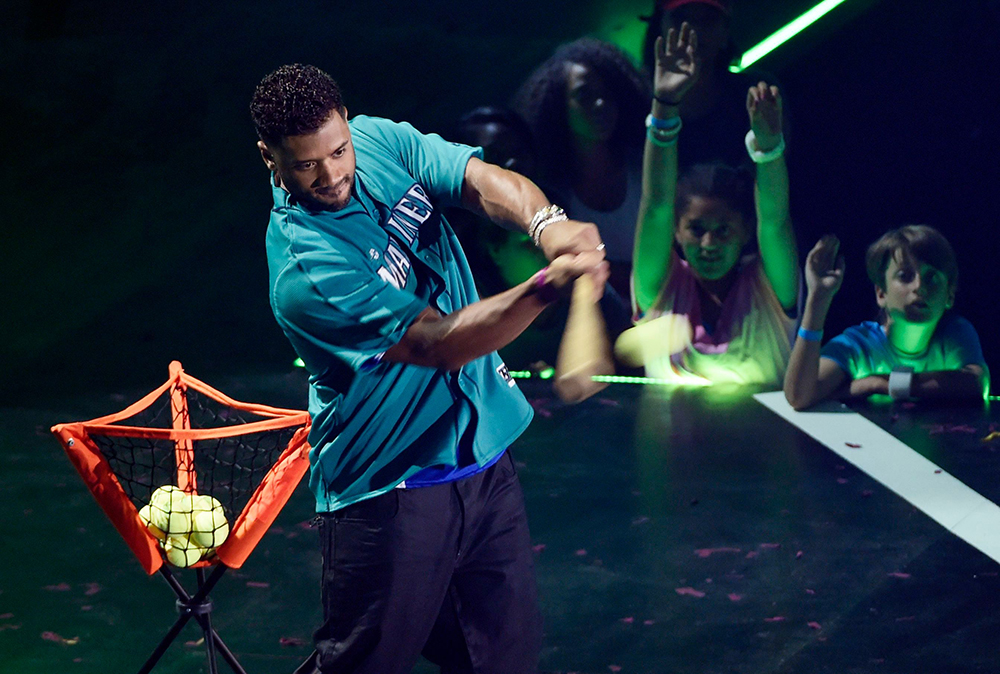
(316, 168)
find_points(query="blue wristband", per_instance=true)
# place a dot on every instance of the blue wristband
(663, 124)
(811, 335)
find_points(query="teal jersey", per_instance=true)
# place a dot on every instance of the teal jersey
(346, 285)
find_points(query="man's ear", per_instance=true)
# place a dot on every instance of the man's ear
(951, 299)
(266, 155)
(343, 112)
(880, 297)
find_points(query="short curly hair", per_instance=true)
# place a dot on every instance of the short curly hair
(541, 101)
(293, 100)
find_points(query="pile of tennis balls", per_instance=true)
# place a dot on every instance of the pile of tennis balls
(189, 526)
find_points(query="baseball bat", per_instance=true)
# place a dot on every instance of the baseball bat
(584, 350)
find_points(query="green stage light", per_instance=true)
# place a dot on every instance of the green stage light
(783, 35)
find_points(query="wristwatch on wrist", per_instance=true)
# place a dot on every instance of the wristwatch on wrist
(901, 383)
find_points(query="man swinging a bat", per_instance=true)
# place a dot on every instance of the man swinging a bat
(423, 530)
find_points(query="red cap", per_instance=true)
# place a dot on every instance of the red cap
(721, 5)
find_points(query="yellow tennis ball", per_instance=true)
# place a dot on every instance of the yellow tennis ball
(209, 528)
(180, 551)
(145, 514)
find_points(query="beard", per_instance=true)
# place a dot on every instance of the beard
(333, 198)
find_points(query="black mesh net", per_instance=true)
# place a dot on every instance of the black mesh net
(228, 471)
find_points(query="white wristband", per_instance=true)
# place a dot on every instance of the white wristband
(763, 157)
(901, 383)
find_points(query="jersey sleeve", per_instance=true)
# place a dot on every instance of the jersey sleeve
(845, 351)
(438, 165)
(963, 344)
(334, 307)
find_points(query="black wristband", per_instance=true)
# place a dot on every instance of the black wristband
(665, 102)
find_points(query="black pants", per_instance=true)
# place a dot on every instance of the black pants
(446, 571)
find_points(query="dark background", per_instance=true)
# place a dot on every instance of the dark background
(135, 203)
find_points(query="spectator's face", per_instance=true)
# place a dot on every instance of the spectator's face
(316, 168)
(591, 110)
(503, 147)
(711, 235)
(915, 292)
(711, 25)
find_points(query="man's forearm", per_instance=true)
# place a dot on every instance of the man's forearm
(449, 342)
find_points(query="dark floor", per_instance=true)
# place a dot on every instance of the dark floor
(675, 531)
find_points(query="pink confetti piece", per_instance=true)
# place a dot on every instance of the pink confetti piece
(291, 641)
(52, 636)
(538, 548)
(6, 616)
(647, 623)
(734, 597)
(769, 546)
(61, 587)
(842, 480)
(814, 625)
(937, 472)
(77, 659)
(751, 554)
(853, 445)
(86, 608)
(257, 583)
(639, 520)
(908, 405)
(775, 619)
(808, 591)
(866, 493)
(614, 668)
(92, 589)
(799, 554)
(9, 626)
(628, 620)
(276, 530)
(544, 412)
(689, 591)
(608, 402)
(963, 428)
(305, 524)
(194, 644)
(899, 574)
(708, 552)
(841, 466)
(582, 552)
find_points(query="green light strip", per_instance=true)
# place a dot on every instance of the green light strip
(603, 378)
(783, 35)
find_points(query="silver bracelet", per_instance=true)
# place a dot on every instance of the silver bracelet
(542, 219)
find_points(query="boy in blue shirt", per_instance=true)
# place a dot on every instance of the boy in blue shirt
(424, 536)
(914, 351)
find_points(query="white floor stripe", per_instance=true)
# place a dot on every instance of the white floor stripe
(945, 499)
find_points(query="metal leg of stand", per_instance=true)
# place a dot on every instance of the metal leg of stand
(199, 607)
(206, 626)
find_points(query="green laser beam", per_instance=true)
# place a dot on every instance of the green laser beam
(783, 35)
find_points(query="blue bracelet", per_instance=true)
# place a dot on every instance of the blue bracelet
(663, 124)
(811, 335)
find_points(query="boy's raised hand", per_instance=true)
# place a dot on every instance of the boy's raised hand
(824, 269)
(764, 108)
(677, 64)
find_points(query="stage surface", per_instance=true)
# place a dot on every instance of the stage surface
(675, 530)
